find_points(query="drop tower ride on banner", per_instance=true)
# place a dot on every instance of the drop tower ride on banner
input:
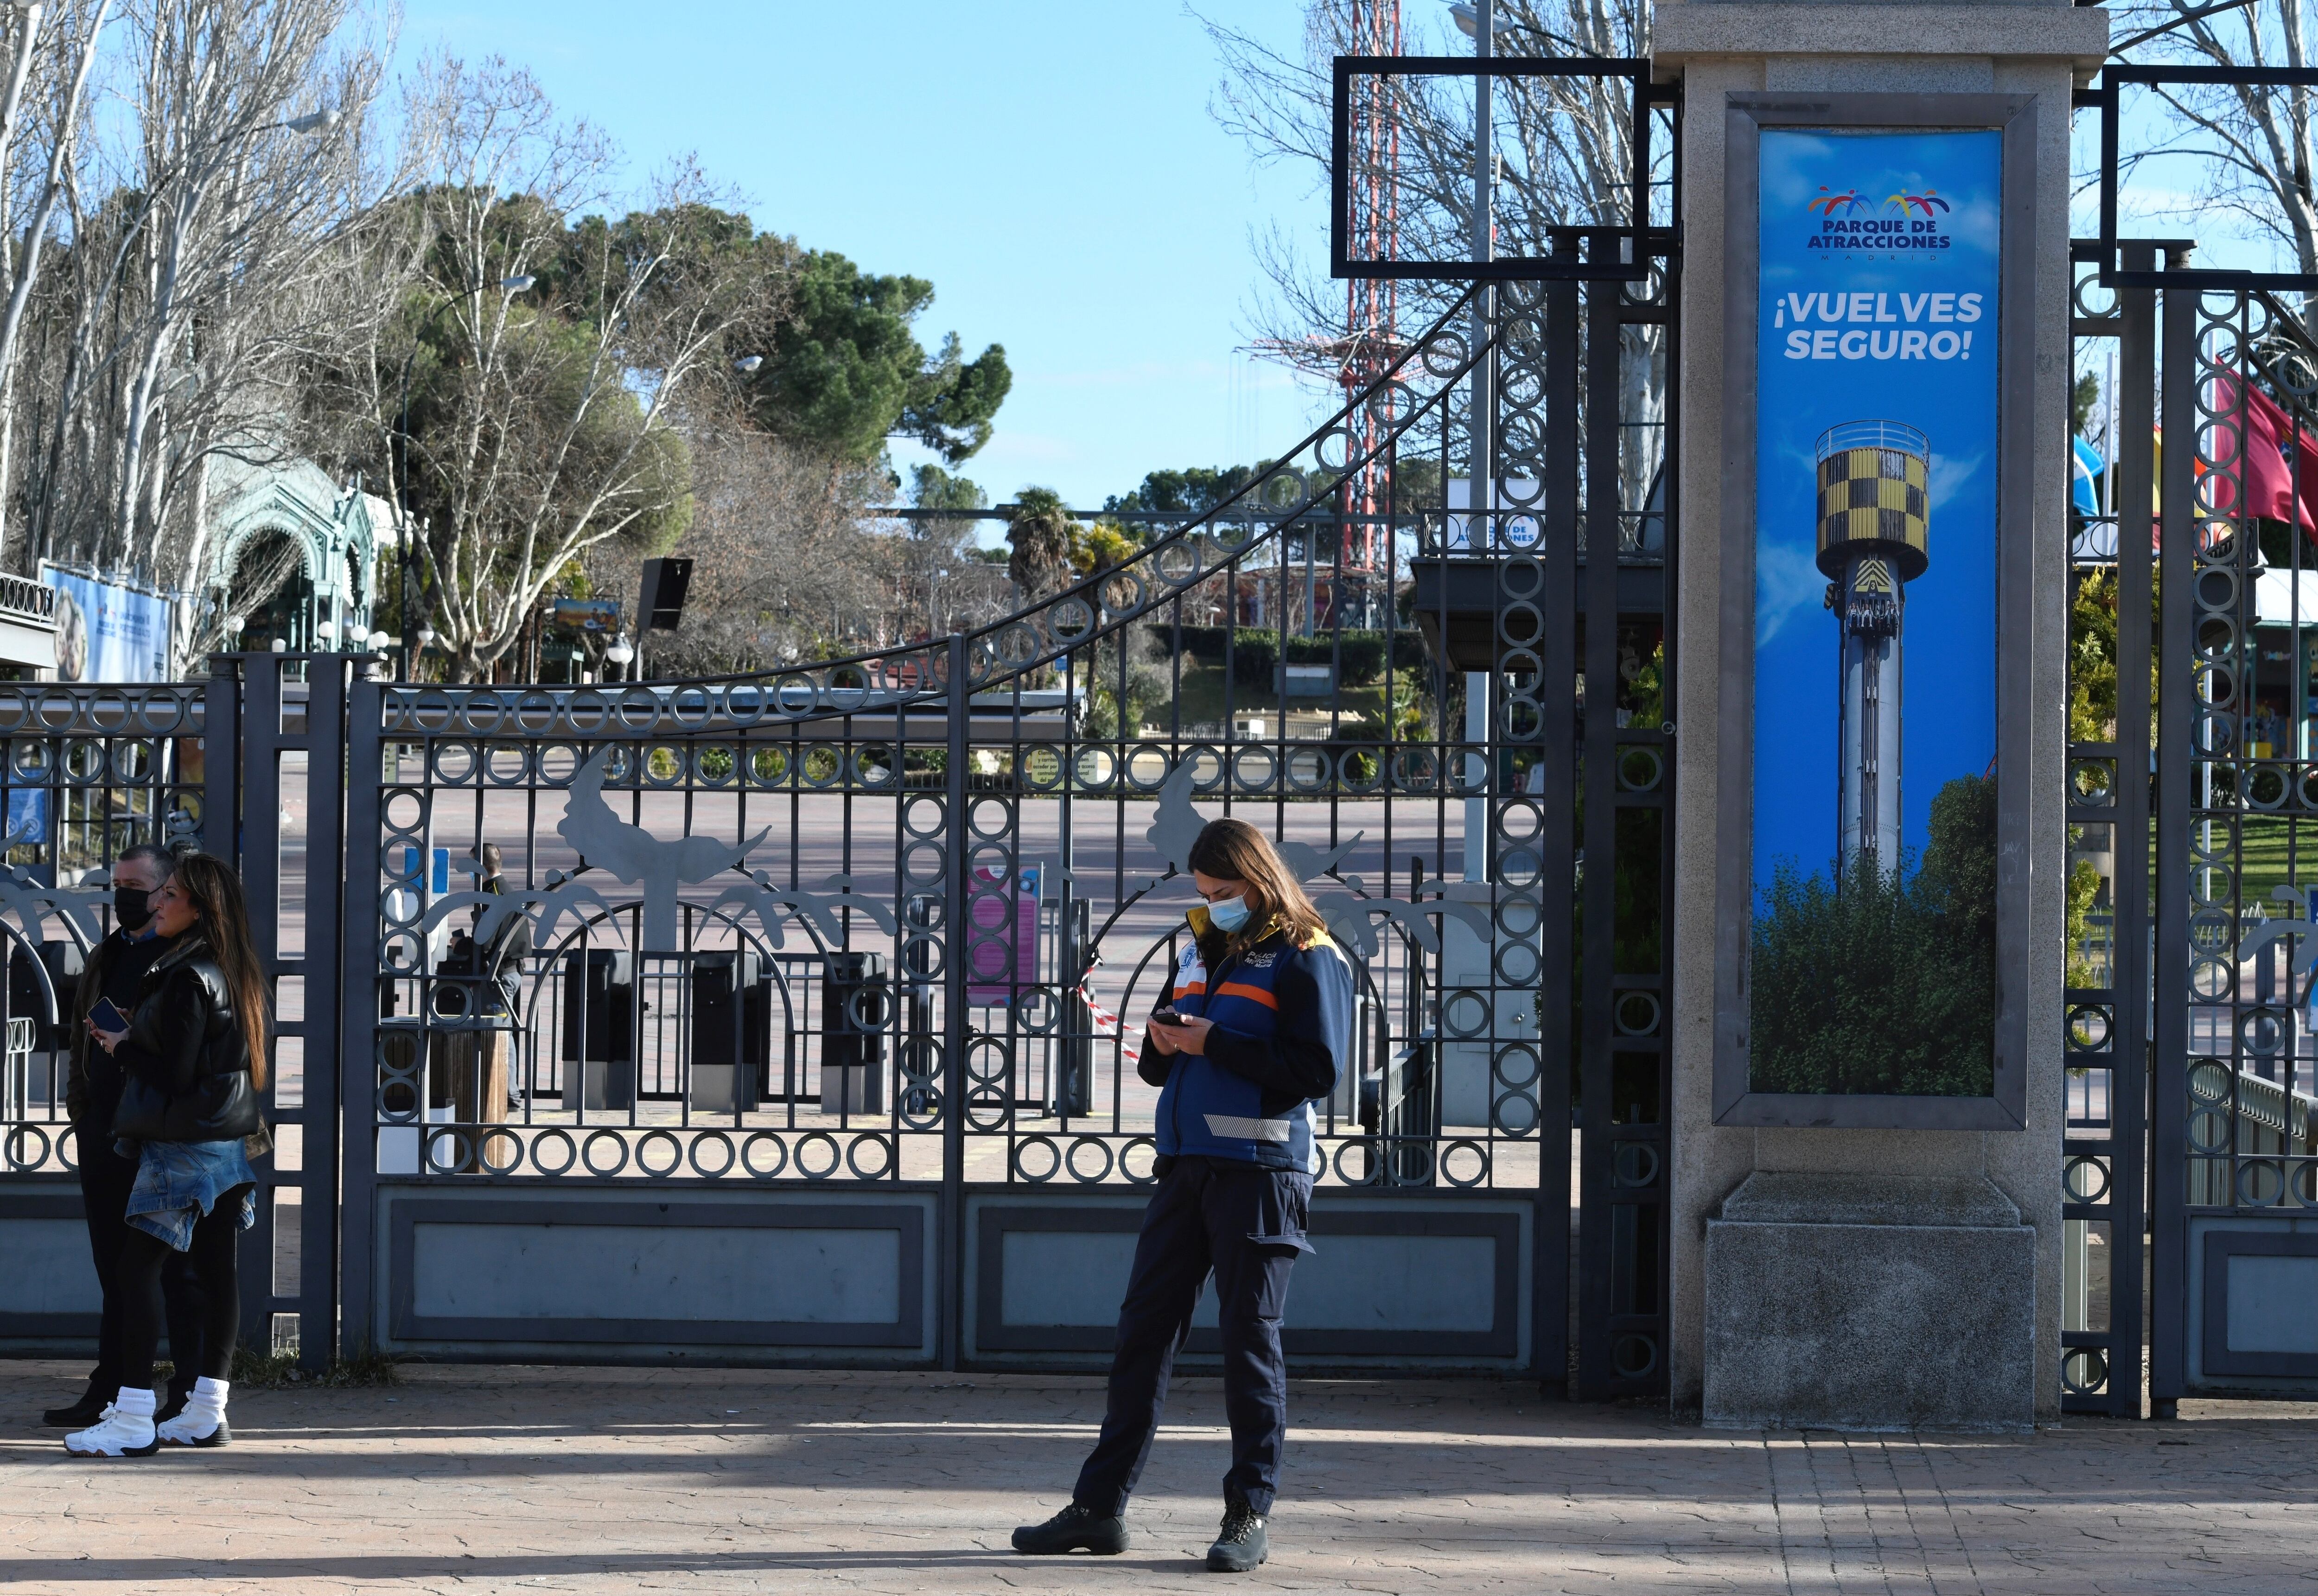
(1873, 514)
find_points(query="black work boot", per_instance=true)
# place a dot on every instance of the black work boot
(82, 1413)
(1240, 1547)
(1073, 1529)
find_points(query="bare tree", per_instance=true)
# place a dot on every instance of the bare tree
(1565, 158)
(553, 428)
(786, 564)
(2250, 145)
(201, 267)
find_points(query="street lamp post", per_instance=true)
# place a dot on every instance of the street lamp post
(519, 283)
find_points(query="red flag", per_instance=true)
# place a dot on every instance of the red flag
(2243, 411)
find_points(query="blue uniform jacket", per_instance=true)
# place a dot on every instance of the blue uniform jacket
(1282, 1035)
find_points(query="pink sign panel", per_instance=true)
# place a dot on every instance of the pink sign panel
(989, 977)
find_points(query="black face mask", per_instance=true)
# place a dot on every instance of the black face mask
(133, 907)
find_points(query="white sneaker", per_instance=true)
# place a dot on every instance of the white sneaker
(116, 1435)
(202, 1422)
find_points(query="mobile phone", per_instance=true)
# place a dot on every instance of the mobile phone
(1168, 1017)
(106, 1018)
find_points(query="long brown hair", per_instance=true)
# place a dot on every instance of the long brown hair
(1234, 850)
(216, 894)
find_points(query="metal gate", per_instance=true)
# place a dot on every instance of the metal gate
(2190, 1023)
(815, 1053)
(799, 1024)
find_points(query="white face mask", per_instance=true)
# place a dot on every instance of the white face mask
(1229, 914)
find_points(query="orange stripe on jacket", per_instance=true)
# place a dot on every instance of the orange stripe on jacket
(1192, 989)
(1253, 994)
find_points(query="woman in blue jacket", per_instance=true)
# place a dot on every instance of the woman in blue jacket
(1257, 1027)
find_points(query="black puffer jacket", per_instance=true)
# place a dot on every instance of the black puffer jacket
(185, 1056)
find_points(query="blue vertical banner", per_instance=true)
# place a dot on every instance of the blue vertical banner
(1876, 648)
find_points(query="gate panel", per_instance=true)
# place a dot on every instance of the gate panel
(86, 771)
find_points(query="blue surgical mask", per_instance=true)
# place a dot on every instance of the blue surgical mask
(1229, 915)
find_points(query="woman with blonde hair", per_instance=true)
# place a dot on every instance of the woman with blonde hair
(1259, 1024)
(195, 1057)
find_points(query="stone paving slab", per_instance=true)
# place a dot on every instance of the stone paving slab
(468, 1479)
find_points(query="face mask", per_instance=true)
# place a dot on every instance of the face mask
(1229, 915)
(133, 907)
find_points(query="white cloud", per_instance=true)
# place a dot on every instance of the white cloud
(1786, 581)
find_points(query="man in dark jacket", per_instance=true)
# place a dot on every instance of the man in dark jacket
(92, 1094)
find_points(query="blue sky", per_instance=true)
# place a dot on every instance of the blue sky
(1052, 169)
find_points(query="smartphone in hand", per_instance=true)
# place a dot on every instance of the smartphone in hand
(105, 1017)
(1168, 1017)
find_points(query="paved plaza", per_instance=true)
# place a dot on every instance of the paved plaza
(473, 1479)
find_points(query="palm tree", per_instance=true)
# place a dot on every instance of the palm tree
(1041, 534)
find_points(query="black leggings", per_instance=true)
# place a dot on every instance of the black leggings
(215, 1235)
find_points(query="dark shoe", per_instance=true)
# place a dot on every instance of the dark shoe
(82, 1413)
(172, 1403)
(1241, 1548)
(1073, 1529)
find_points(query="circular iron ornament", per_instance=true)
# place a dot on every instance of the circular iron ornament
(645, 1152)
(1634, 1357)
(612, 1139)
(1177, 561)
(404, 809)
(2088, 1028)
(506, 765)
(2266, 786)
(1024, 1167)
(1634, 1164)
(2216, 638)
(1278, 491)
(1416, 770)
(1525, 723)
(663, 765)
(805, 1162)
(1039, 767)
(554, 1136)
(20, 1136)
(440, 1137)
(2090, 783)
(1519, 963)
(1309, 770)
(1096, 768)
(2301, 1187)
(1519, 819)
(2213, 884)
(1337, 448)
(2264, 1031)
(1069, 620)
(2085, 1180)
(746, 703)
(1371, 1169)
(924, 816)
(1146, 766)
(1443, 355)
(2261, 1183)
(559, 763)
(499, 1151)
(986, 1108)
(780, 1155)
(1038, 1010)
(1465, 1012)
(481, 713)
(1145, 1175)
(1517, 1064)
(2211, 979)
(876, 767)
(587, 711)
(1520, 868)
(84, 761)
(1636, 1014)
(1362, 769)
(888, 1154)
(691, 706)
(871, 1010)
(2216, 587)
(1096, 1145)
(1515, 1114)
(2209, 1081)
(1452, 1152)
(2209, 1131)
(1254, 769)
(1640, 770)
(1521, 624)
(68, 1144)
(2084, 1370)
(925, 956)
(1207, 763)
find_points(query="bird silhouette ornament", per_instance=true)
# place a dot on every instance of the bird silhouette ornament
(632, 854)
(1176, 824)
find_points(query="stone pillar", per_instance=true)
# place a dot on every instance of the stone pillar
(1862, 1277)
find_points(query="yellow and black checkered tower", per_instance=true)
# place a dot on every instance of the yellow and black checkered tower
(1875, 510)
